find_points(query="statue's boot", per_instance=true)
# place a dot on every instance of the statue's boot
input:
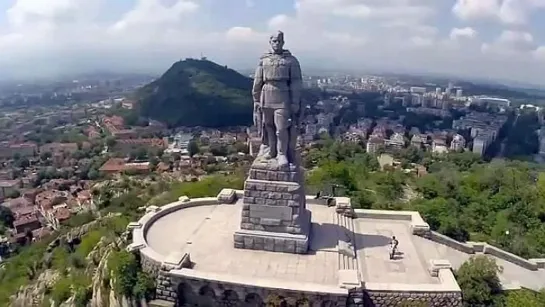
(282, 147)
(263, 150)
(282, 160)
(272, 148)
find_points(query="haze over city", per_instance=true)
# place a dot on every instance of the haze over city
(493, 39)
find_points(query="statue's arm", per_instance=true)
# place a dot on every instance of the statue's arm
(258, 83)
(296, 83)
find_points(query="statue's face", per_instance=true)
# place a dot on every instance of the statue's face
(277, 44)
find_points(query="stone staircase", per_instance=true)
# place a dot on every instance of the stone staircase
(346, 248)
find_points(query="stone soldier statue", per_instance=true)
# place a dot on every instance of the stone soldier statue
(277, 102)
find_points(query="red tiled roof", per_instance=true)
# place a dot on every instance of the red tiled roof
(26, 219)
(62, 214)
(118, 165)
(152, 142)
(59, 147)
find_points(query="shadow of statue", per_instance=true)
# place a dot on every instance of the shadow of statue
(327, 236)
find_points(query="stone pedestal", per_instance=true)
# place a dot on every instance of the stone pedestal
(274, 215)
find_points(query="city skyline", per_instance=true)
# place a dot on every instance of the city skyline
(493, 39)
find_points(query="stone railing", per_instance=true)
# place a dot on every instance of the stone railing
(152, 261)
(418, 225)
(421, 228)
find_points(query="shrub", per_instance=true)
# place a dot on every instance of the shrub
(478, 279)
(61, 290)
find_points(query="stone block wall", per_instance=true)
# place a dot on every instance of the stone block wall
(271, 244)
(270, 171)
(274, 206)
(394, 299)
(149, 265)
(194, 291)
(164, 289)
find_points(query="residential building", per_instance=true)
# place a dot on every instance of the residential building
(9, 187)
(541, 136)
(117, 165)
(26, 223)
(417, 141)
(458, 143)
(126, 146)
(439, 146)
(59, 148)
(7, 151)
(374, 144)
(396, 141)
(479, 145)
(46, 200)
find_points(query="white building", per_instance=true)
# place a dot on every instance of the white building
(483, 100)
(542, 141)
(439, 146)
(417, 89)
(480, 144)
(374, 144)
(458, 143)
(459, 93)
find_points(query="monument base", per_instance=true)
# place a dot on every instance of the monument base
(274, 241)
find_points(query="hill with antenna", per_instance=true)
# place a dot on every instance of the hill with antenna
(198, 93)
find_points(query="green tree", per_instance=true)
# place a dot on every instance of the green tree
(125, 271)
(93, 174)
(6, 217)
(144, 287)
(45, 155)
(82, 296)
(110, 141)
(219, 150)
(61, 290)
(22, 162)
(479, 281)
(525, 298)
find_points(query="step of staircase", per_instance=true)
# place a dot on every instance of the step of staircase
(346, 233)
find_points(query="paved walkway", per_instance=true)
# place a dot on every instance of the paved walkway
(373, 239)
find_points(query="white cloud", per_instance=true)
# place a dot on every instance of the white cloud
(69, 35)
(244, 34)
(149, 13)
(539, 53)
(466, 32)
(473, 9)
(506, 11)
(419, 41)
(517, 43)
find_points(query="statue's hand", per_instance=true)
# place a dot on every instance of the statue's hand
(257, 114)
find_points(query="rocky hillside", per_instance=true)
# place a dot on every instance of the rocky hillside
(82, 268)
(197, 93)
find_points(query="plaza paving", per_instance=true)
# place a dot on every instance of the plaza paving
(209, 231)
(372, 241)
(206, 232)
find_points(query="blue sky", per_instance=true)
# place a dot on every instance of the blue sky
(476, 38)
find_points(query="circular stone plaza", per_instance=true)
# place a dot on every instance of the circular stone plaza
(191, 248)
